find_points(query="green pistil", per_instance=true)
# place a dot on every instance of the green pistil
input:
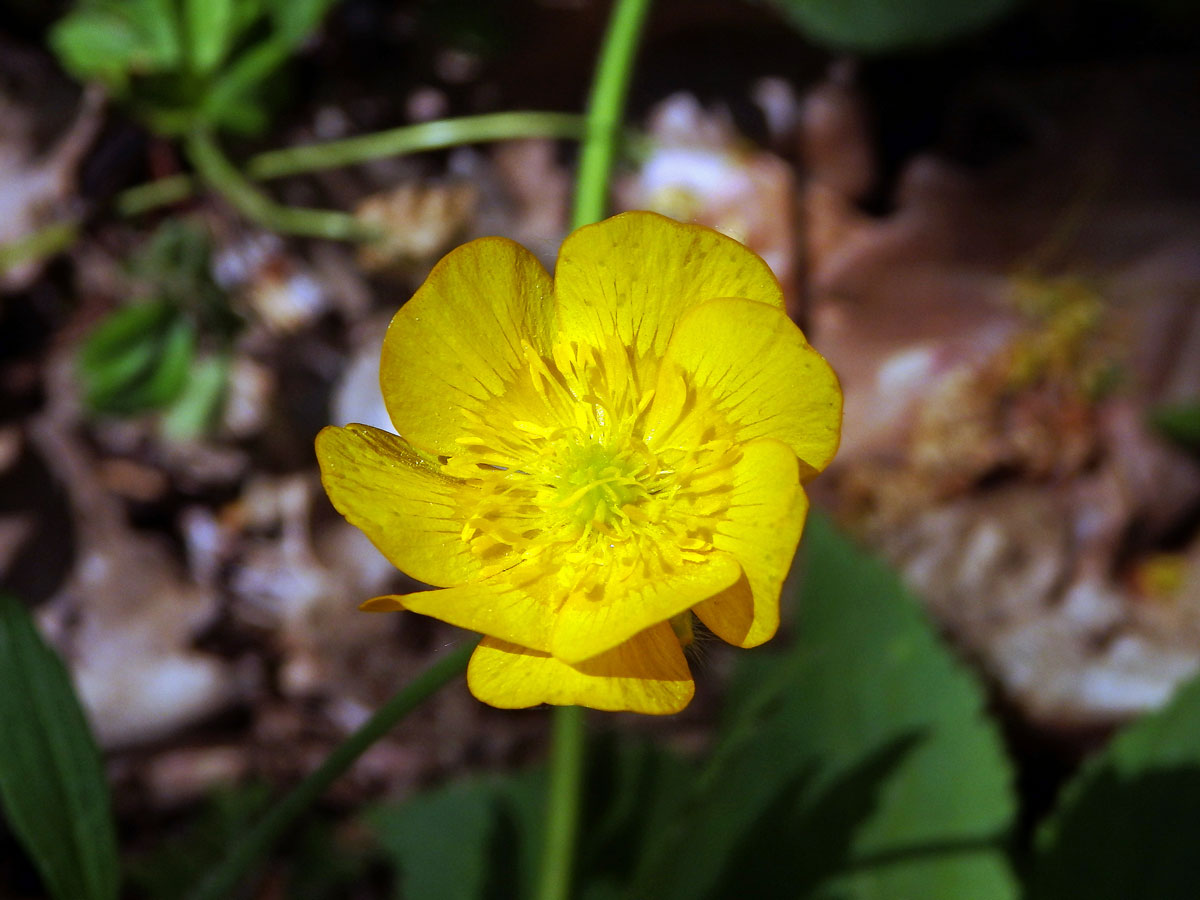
(599, 485)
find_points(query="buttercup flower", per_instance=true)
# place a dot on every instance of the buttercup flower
(587, 461)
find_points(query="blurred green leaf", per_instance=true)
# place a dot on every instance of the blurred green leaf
(158, 22)
(878, 26)
(326, 862)
(482, 837)
(183, 859)
(169, 375)
(52, 779)
(112, 41)
(1128, 825)
(136, 359)
(468, 839)
(97, 46)
(194, 411)
(1180, 423)
(857, 764)
(210, 25)
(181, 64)
(295, 20)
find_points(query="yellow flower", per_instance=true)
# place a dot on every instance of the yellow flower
(587, 460)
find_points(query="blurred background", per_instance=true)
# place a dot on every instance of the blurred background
(985, 214)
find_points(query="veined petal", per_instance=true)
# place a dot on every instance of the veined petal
(635, 274)
(458, 341)
(646, 674)
(498, 606)
(400, 500)
(761, 530)
(589, 624)
(751, 365)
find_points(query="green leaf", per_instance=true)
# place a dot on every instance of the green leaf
(1179, 422)
(96, 46)
(295, 20)
(169, 376)
(160, 29)
(195, 408)
(1127, 825)
(885, 25)
(210, 25)
(113, 42)
(855, 765)
(136, 359)
(448, 844)
(52, 779)
(482, 837)
(183, 858)
(120, 329)
(118, 353)
(242, 77)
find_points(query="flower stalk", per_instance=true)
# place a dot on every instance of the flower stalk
(316, 157)
(606, 106)
(248, 199)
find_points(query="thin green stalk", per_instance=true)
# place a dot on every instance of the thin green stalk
(606, 108)
(412, 138)
(253, 846)
(248, 199)
(562, 807)
(364, 148)
(44, 242)
(161, 192)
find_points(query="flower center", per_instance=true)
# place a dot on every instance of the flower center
(558, 477)
(598, 483)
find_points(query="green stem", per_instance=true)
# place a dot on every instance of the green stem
(251, 202)
(258, 841)
(38, 245)
(364, 148)
(412, 138)
(562, 807)
(606, 108)
(161, 192)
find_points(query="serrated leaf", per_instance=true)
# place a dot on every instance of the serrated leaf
(1127, 825)
(856, 765)
(52, 781)
(885, 25)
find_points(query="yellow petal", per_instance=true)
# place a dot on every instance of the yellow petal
(400, 500)
(646, 674)
(587, 625)
(496, 606)
(750, 364)
(458, 341)
(761, 531)
(635, 274)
